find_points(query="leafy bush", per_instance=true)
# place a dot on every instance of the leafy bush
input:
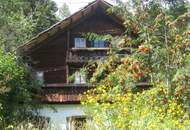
(17, 91)
(151, 109)
(159, 43)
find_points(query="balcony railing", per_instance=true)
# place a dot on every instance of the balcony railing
(70, 93)
(63, 93)
(86, 54)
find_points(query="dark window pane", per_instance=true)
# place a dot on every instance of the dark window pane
(101, 44)
(98, 44)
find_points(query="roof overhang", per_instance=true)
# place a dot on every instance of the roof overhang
(64, 24)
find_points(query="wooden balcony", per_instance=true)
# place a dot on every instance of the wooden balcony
(63, 93)
(82, 55)
(70, 93)
(90, 49)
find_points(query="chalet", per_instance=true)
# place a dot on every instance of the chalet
(60, 51)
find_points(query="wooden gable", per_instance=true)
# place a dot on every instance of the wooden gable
(68, 23)
(48, 52)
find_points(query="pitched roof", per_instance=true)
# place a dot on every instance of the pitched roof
(64, 24)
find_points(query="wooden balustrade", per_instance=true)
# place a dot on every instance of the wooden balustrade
(85, 54)
(63, 93)
(70, 93)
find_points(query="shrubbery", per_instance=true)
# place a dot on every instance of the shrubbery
(148, 110)
(158, 34)
(17, 91)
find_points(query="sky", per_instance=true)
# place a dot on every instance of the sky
(75, 5)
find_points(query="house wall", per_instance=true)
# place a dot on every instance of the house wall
(99, 22)
(50, 56)
(59, 113)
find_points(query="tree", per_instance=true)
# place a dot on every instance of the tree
(17, 91)
(15, 27)
(20, 20)
(64, 11)
(175, 2)
(160, 55)
(44, 13)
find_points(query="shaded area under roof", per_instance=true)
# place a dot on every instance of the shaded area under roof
(64, 24)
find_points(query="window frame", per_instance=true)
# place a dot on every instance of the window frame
(79, 42)
(81, 78)
(40, 76)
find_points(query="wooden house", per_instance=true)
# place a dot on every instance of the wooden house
(61, 50)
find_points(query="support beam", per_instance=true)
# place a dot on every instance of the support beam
(68, 39)
(67, 54)
(67, 73)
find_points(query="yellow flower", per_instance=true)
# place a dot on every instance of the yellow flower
(125, 110)
(177, 124)
(130, 94)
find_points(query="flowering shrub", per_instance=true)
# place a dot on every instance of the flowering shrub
(151, 109)
(159, 56)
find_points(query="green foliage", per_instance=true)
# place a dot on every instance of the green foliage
(82, 71)
(17, 91)
(16, 30)
(64, 11)
(151, 109)
(93, 36)
(20, 20)
(44, 14)
(162, 42)
(160, 37)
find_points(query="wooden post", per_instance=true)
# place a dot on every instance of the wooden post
(68, 39)
(67, 73)
(68, 46)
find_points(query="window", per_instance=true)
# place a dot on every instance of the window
(80, 42)
(99, 44)
(80, 78)
(76, 122)
(40, 77)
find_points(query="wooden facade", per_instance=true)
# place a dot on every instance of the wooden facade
(53, 52)
(64, 93)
